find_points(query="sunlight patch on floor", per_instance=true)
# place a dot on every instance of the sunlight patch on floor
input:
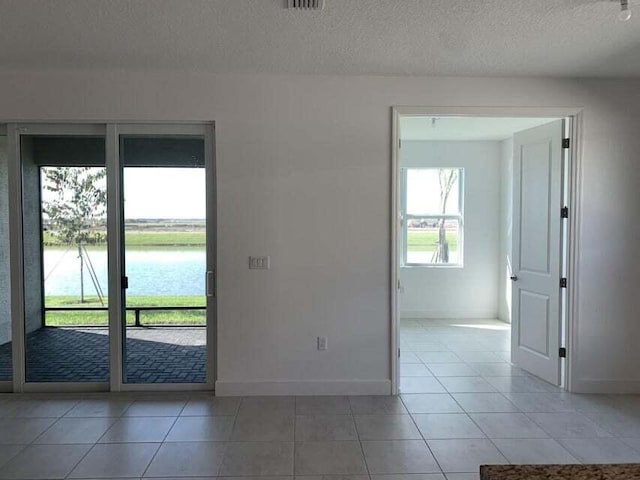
(482, 326)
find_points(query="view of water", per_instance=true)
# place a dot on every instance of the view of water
(155, 271)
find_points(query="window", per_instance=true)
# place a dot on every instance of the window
(432, 219)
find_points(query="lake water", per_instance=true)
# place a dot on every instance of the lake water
(156, 271)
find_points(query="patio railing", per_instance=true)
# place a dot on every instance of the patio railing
(136, 310)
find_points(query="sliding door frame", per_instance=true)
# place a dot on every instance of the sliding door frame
(115, 233)
(6, 386)
(112, 132)
(16, 248)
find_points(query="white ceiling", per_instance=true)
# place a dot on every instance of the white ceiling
(465, 128)
(406, 37)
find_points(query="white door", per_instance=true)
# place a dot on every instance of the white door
(537, 195)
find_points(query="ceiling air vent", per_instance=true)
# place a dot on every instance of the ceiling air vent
(306, 4)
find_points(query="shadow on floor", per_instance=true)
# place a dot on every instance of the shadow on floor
(82, 355)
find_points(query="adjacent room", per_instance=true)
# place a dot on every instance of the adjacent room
(456, 243)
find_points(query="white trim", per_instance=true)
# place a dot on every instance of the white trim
(319, 387)
(198, 128)
(164, 387)
(417, 111)
(575, 113)
(211, 251)
(72, 128)
(63, 387)
(573, 246)
(394, 347)
(16, 257)
(114, 257)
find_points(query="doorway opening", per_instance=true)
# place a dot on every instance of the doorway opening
(481, 250)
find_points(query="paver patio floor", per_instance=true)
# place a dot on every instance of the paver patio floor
(153, 355)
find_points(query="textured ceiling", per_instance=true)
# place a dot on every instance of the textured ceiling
(465, 128)
(386, 37)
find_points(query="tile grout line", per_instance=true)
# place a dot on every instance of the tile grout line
(80, 461)
(58, 418)
(153, 457)
(233, 427)
(478, 426)
(470, 418)
(413, 420)
(96, 443)
(355, 425)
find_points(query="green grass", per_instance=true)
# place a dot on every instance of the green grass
(421, 241)
(138, 238)
(100, 318)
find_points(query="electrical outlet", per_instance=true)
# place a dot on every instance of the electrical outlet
(322, 343)
(259, 263)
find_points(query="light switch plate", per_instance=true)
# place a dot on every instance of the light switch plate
(259, 263)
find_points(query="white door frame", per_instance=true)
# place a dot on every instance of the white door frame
(116, 255)
(16, 249)
(573, 227)
(6, 386)
(111, 131)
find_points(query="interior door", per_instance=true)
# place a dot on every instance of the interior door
(537, 243)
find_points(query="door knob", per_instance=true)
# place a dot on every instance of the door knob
(514, 278)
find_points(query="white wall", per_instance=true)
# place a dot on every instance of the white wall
(304, 176)
(472, 290)
(506, 220)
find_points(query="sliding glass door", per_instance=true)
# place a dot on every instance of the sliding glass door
(112, 257)
(165, 259)
(64, 256)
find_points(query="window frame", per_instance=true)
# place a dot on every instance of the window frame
(405, 217)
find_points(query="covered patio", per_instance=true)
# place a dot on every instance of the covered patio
(81, 354)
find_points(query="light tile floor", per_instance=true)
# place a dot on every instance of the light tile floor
(431, 434)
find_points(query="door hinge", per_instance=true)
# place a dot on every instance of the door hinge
(564, 212)
(566, 142)
(562, 352)
(563, 282)
(399, 143)
(398, 353)
(125, 282)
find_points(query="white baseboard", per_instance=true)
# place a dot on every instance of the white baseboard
(461, 314)
(606, 386)
(317, 387)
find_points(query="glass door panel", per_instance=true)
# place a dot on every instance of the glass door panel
(65, 258)
(165, 259)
